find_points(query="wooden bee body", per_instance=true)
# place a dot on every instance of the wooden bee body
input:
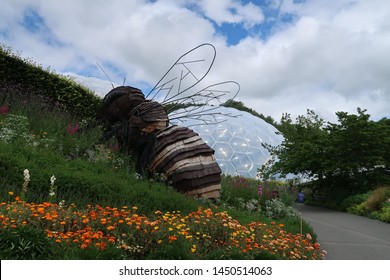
(142, 127)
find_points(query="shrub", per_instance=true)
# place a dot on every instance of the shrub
(377, 197)
(354, 200)
(384, 216)
(276, 209)
(359, 209)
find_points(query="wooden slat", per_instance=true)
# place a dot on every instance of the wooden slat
(187, 161)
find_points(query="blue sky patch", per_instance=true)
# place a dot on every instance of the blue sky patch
(33, 22)
(234, 33)
(273, 22)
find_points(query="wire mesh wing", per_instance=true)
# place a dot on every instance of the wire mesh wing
(184, 74)
(202, 106)
(173, 90)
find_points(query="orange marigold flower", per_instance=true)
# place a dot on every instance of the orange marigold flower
(110, 228)
(95, 236)
(172, 238)
(86, 220)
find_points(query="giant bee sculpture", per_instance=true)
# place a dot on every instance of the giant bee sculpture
(143, 125)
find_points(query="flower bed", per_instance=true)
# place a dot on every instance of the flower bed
(198, 234)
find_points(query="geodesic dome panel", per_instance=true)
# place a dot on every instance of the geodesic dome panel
(236, 140)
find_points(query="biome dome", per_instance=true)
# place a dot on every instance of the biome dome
(236, 140)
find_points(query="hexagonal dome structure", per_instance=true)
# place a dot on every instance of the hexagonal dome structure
(236, 140)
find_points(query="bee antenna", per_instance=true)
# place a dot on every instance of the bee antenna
(101, 68)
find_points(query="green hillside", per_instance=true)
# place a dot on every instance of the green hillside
(30, 78)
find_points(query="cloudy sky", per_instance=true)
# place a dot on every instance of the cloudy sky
(287, 55)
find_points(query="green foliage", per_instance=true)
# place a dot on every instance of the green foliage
(354, 200)
(374, 204)
(276, 209)
(30, 243)
(377, 198)
(384, 216)
(84, 182)
(179, 250)
(349, 157)
(241, 107)
(15, 128)
(238, 191)
(25, 243)
(18, 72)
(73, 252)
(242, 193)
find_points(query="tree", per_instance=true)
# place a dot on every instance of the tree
(351, 156)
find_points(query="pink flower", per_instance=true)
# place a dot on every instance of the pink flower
(73, 130)
(260, 190)
(4, 110)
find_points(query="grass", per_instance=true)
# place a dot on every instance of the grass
(98, 208)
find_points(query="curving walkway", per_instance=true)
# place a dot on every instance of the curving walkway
(346, 236)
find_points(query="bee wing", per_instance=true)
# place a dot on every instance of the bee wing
(207, 102)
(184, 74)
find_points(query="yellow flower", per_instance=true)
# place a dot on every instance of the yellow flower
(193, 249)
(11, 193)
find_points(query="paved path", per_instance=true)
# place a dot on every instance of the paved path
(348, 237)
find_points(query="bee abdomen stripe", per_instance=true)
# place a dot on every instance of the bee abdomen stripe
(187, 161)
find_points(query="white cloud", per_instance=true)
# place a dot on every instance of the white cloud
(232, 11)
(331, 57)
